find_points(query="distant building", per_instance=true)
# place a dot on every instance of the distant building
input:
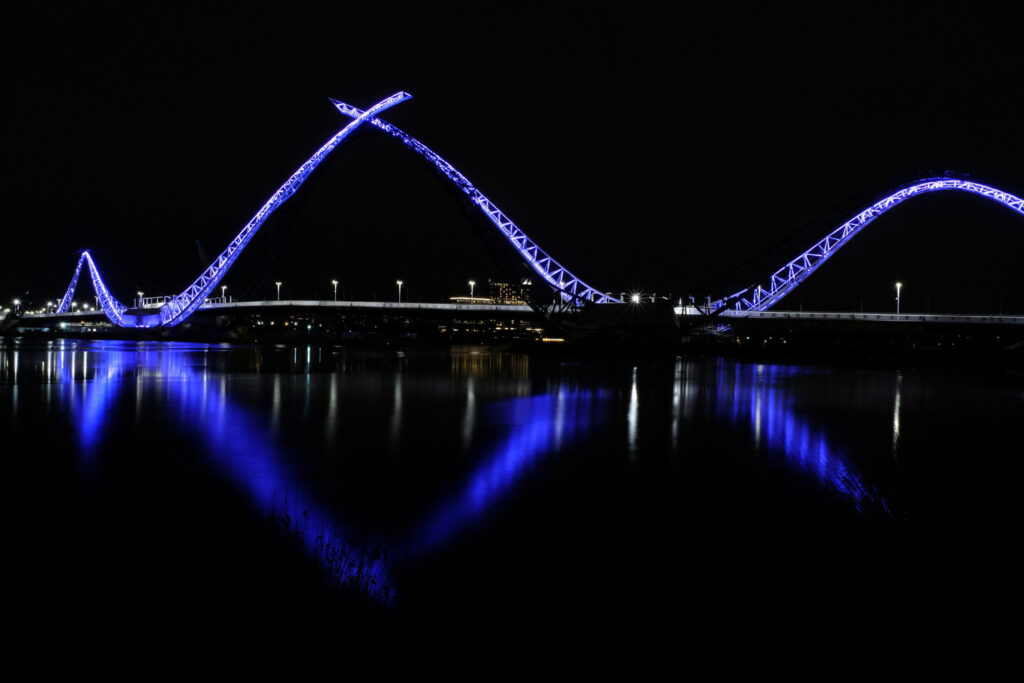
(472, 300)
(505, 293)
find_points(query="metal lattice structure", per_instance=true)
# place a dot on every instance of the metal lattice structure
(114, 309)
(572, 291)
(179, 307)
(760, 297)
(65, 303)
(570, 288)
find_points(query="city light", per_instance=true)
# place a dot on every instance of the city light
(278, 290)
(899, 286)
(335, 283)
(472, 283)
(399, 283)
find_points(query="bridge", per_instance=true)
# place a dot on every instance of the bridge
(405, 307)
(365, 321)
(570, 292)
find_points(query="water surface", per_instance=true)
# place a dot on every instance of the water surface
(482, 491)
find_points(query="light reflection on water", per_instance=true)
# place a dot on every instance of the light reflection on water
(544, 423)
(756, 396)
(536, 420)
(244, 448)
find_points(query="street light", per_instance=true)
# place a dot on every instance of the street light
(140, 299)
(399, 283)
(223, 296)
(899, 285)
(278, 290)
(472, 283)
(335, 283)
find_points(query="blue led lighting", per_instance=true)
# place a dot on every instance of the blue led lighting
(571, 288)
(65, 303)
(761, 297)
(179, 307)
(114, 309)
(182, 305)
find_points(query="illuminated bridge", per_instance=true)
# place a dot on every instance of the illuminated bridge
(403, 307)
(569, 291)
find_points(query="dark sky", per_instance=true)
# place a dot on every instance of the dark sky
(642, 146)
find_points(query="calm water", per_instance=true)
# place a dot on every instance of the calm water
(481, 492)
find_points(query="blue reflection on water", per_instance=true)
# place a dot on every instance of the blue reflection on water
(755, 391)
(243, 448)
(91, 402)
(239, 442)
(236, 440)
(543, 424)
(242, 444)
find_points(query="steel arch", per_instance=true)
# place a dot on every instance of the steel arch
(762, 296)
(184, 304)
(114, 309)
(571, 288)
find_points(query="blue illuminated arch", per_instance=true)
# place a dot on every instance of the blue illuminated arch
(65, 302)
(570, 287)
(179, 307)
(783, 281)
(113, 308)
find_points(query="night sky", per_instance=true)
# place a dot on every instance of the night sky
(653, 147)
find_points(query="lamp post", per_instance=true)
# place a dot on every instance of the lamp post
(899, 285)
(335, 283)
(223, 296)
(140, 299)
(399, 283)
(278, 290)
(472, 284)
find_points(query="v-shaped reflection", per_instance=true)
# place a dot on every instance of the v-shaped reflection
(244, 449)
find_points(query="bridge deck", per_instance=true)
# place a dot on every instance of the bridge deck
(882, 317)
(244, 306)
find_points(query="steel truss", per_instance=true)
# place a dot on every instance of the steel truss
(763, 296)
(114, 309)
(179, 307)
(573, 291)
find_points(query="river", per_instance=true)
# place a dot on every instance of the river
(232, 498)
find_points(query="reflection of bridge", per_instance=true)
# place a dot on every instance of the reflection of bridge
(569, 290)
